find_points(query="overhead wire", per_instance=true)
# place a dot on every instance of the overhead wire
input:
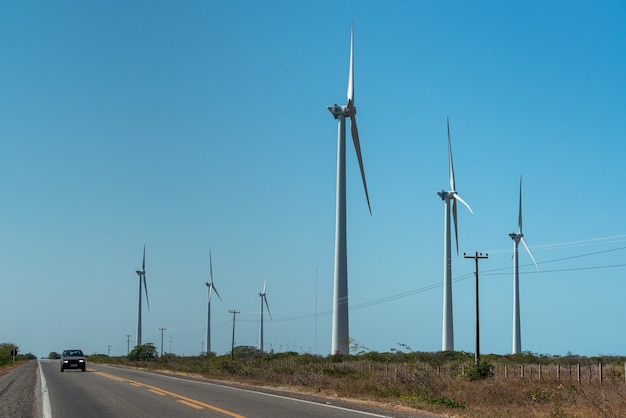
(492, 272)
(434, 286)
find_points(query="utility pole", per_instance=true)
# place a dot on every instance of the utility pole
(232, 347)
(477, 256)
(162, 329)
(108, 350)
(127, 344)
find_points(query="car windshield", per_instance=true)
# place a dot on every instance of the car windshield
(72, 353)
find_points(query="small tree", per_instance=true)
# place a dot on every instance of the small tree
(147, 351)
(53, 355)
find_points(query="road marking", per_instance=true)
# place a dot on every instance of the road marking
(180, 398)
(45, 399)
(158, 392)
(272, 395)
(192, 405)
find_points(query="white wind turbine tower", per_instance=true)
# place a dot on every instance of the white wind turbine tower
(340, 331)
(447, 340)
(211, 289)
(517, 238)
(142, 275)
(263, 300)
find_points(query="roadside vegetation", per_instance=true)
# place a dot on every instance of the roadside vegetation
(444, 383)
(10, 353)
(10, 357)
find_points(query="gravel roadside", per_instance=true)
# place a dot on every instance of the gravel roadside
(18, 391)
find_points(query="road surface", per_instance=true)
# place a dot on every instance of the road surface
(106, 391)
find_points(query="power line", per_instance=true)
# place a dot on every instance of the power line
(434, 286)
(467, 276)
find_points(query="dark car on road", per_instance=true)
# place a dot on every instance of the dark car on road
(73, 359)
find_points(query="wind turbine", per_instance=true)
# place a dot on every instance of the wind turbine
(517, 238)
(263, 299)
(212, 288)
(447, 340)
(340, 332)
(142, 275)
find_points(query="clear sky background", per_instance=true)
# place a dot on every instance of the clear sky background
(202, 125)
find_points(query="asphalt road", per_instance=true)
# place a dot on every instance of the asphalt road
(105, 391)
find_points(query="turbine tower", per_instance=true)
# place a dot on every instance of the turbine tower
(211, 289)
(142, 275)
(451, 196)
(263, 299)
(517, 238)
(340, 333)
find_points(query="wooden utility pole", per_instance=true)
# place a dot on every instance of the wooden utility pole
(477, 256)
(232, 347)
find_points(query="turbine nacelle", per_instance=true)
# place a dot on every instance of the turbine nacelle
(516, 236)
(446, 195)
(346, 111)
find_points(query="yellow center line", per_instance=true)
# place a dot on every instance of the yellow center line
(191, 405)
(182, 399)
(158, 392)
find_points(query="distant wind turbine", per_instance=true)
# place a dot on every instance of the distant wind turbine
(340, 332)
(447, 340)
(263, 300)
(517, 238)
(142, 275)
(211, 289)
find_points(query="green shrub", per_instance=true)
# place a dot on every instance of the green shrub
(541, 395)
(479, 371)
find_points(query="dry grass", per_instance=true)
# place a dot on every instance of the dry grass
(525, 398)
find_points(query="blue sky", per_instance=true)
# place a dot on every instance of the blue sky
(200, 125)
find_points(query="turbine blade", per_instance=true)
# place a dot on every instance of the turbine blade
(145, 286)
(267, 306)
(218, 295)
(357, 147)
(529, 253)
(450, 163)
(210, 289)
(143, 263)
(211, 265)
(456, 230)
(264, 284)
(519, 222)
(456, 196)
(351, 70)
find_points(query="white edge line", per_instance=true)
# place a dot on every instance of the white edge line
(45, 399)
(271, 395)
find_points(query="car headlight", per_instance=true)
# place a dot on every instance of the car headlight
(65, 361)
(81, 361)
